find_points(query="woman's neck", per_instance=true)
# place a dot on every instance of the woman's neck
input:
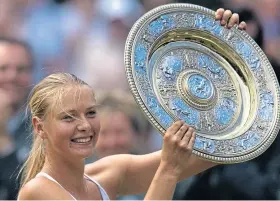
(69, 173)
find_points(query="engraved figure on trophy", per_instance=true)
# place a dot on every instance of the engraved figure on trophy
(216, 71)
(190, 115)
(266, 106)
(170, 66)
(200, 87)
(190, 59)
(249, 140)
(185, 19)
(166, 89)
(228, 91)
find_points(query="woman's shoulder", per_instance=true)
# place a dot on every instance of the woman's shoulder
(40, 188)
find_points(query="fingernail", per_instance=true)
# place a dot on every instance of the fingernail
(223, 22)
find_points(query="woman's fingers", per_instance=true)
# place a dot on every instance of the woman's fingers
(187, 137)
(174, 128)
(219, 13)
(191, 142)
(226, 16)
(242, 25)
(181, 132)
(233, 20)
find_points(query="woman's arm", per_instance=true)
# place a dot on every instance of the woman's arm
(142, 169)
(133, 174)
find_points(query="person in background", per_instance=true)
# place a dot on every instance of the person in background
(15, 78)
(124, 129)
(123, 126)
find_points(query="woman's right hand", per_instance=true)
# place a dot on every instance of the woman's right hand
(177, 148)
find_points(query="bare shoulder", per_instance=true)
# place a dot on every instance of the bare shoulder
(41, 188)
(102, 166)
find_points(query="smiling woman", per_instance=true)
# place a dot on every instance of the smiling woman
(63, 118)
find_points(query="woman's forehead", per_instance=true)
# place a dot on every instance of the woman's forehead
(75, 98)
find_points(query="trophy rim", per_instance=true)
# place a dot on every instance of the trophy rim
(128, 54)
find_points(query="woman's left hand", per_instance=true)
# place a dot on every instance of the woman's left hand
(229, 19)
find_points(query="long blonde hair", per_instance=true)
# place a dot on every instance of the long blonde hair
(41, 99)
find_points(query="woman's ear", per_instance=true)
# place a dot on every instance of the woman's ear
(38, 127)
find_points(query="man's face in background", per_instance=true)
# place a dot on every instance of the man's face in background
(15, 71)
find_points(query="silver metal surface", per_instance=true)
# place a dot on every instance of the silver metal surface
(182, 64)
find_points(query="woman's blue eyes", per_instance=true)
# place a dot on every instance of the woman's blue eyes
(91, 113)
(69, 118)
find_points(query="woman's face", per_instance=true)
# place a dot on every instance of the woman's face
(72, 129)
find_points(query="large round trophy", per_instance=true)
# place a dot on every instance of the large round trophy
(182, 64)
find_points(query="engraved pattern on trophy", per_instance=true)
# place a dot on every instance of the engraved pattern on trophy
(204, 22)
(171, 66)
(200, 86)
(140, 58)
(185, 20)
(197, 86)
(261, 79)
(183, 111)
(224, 111)
(206, 121)
(165, 91)
(159, 112)
(160, 24)
(226, 146)
(190, 58)
(249, 140)
(212, 68)
(206, 145)
(266, 106)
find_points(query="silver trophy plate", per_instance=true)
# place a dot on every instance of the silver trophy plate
(182, 64)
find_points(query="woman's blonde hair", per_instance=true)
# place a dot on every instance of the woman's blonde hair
(44, 96)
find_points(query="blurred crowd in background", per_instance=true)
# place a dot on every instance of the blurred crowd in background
(87, 38)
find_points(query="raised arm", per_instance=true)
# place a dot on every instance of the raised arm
(153, 173)
(165, 168)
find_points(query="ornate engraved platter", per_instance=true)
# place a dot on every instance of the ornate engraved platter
(181, 64)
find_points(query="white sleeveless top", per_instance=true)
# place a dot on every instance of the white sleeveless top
(103, 193)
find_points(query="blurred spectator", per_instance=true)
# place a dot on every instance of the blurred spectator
(211, 4)
(100, 54)
(124, 129)
(256, 179)
(15, 78)
(150, 4)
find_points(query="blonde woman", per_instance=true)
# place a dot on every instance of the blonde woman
(66, 128)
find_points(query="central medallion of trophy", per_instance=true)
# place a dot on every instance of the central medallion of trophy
(199, 86)
(197, 89)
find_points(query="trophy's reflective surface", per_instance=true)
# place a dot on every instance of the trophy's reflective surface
(182, 64)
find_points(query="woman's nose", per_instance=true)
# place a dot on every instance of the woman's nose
(84, 125)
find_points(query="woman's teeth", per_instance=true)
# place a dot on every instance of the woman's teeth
(82, 140)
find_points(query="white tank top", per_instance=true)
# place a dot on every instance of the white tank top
(103, 193)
